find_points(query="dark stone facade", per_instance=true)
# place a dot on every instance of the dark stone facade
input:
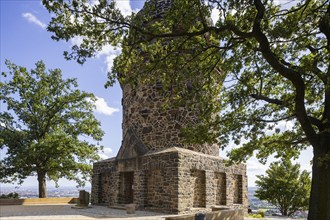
(174, 180)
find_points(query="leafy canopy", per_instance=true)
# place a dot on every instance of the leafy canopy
(270, 64)
(48, 126)
(285, 187)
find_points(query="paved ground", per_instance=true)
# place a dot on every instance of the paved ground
(66, 212)
(274, 218)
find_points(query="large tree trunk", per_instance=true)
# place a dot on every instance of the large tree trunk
(42, 184)
(319, 203)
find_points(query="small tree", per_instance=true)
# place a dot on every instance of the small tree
(43, 126)
(285, 187)
(11, 195)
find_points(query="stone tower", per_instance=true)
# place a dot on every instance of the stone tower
(155, 168)
(147, 126)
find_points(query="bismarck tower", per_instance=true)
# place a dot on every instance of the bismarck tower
(154, 168)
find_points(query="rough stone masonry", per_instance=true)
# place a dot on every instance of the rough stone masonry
(155, 169)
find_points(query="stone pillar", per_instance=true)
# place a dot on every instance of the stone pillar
(245, 193)
(96, 189)
(184, 189)
(139, 188)
(210, 188)
(229, 189)
(84, 198)
(114, 189)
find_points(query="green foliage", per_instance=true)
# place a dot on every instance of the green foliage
(79, 18)
(255, 216)
(285, 187)
(13, 195)
(46, 126)
(268, 64)
(261, 65)
(261, 213)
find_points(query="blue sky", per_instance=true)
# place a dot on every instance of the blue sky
(24, 40)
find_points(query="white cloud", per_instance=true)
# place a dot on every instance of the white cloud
(280, 2)
(215, 15)
(109, 61)
(254, 168)
(124, 6)
(110, 52)
(103, 108)
(33, 19)
(305, 158)
(233, 12)
(282, 126)
(105, 153)
(77, 40)
(106, 50)
(253, 165)
(94, 2)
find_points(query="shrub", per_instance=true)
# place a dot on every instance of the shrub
(261, 213)
(10, 196)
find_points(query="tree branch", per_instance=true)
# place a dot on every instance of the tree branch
(318, 123)
(267, 99)
(293, 76)
(276, 120)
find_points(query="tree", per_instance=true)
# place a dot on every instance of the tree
(285, 187)
(46, 126)
(275, 60)
(11, 195)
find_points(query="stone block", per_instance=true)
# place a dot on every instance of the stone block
(233, 214)
(130, 208)
(84, 198)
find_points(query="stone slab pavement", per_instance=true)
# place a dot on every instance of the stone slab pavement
(66, 212)
(274, 218)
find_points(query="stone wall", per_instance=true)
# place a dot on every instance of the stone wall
(162, 177)
(198, 188)
(237, 189)
(152, 127)
(105, 183)
(126, 187)
(155, 182)
(105, 188)
(220, 184)
(174, 181)
(155, 179)
(222, 187)
(234, 214)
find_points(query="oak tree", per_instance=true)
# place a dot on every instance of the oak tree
(285, 187)
(269, 62)
(48, 128)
